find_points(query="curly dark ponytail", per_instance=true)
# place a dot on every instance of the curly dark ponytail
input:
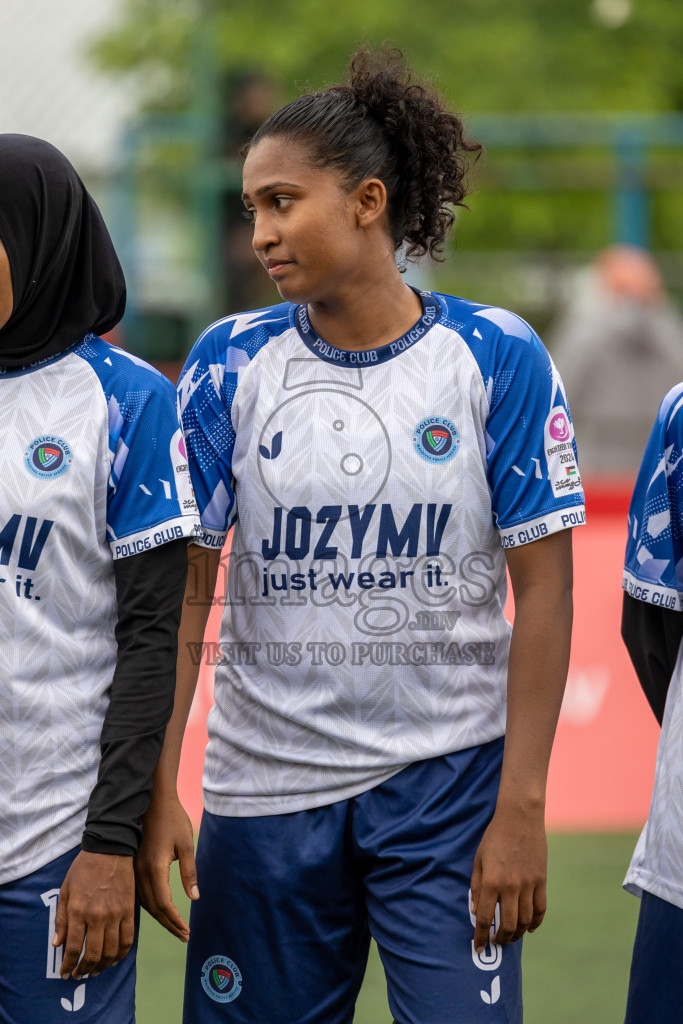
(381, 124)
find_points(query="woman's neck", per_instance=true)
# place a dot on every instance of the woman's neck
(371, 314)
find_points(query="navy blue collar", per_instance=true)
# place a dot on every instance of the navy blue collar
(19, 371)
(431, 314)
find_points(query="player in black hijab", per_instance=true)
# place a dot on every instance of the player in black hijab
(61, 285)
(66, 277)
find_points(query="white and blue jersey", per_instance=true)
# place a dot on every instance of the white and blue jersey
(653, 573)
(373, 494)
(92, 468)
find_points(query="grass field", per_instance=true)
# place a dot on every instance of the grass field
(575, 968)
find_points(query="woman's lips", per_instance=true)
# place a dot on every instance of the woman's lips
(275, 267)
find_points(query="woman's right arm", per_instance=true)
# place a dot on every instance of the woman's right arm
(167, 830)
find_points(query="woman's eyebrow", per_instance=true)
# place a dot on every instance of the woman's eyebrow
(267, 188)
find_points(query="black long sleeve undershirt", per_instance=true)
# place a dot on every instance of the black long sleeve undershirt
(149, 594)
(652, 636)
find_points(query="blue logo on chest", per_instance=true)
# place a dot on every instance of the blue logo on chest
(48, 456)
(436, 439)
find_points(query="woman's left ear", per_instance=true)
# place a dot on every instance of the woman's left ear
(372, 201)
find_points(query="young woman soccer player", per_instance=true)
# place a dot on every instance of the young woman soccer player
(379, 744)
(94, 503)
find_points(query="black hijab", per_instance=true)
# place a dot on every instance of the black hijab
(66, 277)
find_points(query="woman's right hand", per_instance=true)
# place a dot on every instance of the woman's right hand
(166, 836)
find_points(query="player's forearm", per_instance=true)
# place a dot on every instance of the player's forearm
(149, 589)
(187, 674)
(201, 581)
(537, 672)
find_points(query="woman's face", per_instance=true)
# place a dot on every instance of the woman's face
(306, 230)
(6, 293)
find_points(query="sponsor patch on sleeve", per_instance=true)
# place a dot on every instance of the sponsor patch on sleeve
(558, 440)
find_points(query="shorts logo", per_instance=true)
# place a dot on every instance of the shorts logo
(221, 979)
(559, 427)
(436, 439)
(48, 456)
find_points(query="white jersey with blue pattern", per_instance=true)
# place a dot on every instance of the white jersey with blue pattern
(653, 572)
(373, 494)
(92, 468)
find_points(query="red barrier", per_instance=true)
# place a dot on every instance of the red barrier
(603, 759)
(196, 737)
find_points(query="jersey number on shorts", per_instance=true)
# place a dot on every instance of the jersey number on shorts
(55, 954)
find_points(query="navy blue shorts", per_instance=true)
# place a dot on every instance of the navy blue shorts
(655, 991)
(288, 903)
(31, 990)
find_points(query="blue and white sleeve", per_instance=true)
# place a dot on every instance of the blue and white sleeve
(653, 570)
(150, 500)
(532, 465)
(205, 391)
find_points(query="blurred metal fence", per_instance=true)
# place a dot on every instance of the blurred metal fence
(644, 153)
(550, 193)
(614, 178)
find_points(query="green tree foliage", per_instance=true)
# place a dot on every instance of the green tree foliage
(543, 206)
(486, 55)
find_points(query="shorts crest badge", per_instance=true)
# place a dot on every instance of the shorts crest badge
(221, 979)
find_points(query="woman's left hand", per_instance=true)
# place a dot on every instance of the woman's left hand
(96, 914)
(510, 869)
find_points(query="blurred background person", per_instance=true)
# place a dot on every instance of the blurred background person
(618, 345)
(246, 101)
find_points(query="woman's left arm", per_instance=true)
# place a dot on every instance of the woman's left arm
(510, 867)
(96, 901)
